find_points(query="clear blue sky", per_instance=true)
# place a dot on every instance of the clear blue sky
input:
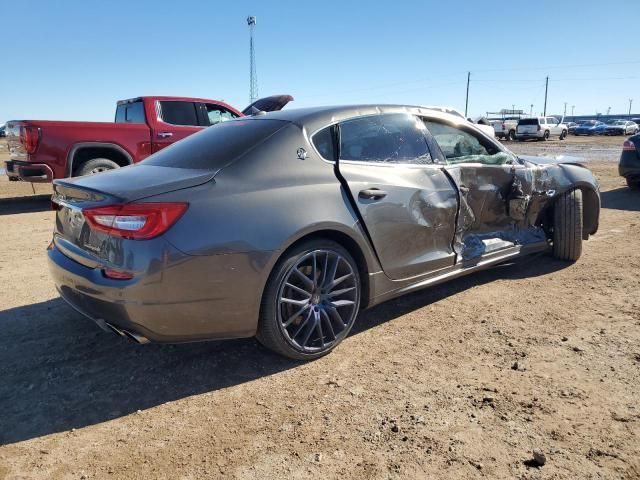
(73, 59)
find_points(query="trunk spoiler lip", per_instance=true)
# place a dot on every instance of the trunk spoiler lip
(64, 186)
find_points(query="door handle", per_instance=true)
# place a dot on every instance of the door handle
(372, 194)
(165, 134)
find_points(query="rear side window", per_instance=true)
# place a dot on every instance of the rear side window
(130, 113)
(528, 121)
(323, 141)
(217, 146)
(390, 138)
(178, 113)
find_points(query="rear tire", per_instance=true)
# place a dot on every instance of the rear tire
(546, 135)
(563, 135)
(633, 184)
(511, 136)
(567, 226)
(306, 319)
(95, 165)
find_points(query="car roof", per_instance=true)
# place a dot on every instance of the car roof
(314, 118)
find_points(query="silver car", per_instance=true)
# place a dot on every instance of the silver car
(284, 225)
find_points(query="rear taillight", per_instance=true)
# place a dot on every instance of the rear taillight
(135, 221)
(29, 137)
(628, 146)
(116, 274)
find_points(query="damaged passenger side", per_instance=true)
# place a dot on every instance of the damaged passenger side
(498, 207)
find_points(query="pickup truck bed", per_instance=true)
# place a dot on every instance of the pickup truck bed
(42, 150)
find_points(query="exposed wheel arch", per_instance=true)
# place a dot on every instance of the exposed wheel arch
(82, 152)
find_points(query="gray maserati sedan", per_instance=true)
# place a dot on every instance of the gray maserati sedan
(284, 225)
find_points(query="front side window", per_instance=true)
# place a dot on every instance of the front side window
(461, 146)
(388, 138)
(179, 113)
(217, 114)
(552, 121)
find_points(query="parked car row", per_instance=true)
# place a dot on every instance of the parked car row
(611, 127)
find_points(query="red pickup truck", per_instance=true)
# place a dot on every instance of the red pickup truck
(41, 151)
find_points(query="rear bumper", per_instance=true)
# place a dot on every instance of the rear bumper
(29, 172)
(629, 166)
(186, 299)
(539, 134)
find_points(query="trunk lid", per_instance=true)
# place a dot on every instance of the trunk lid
(268, 104)
(124, 185)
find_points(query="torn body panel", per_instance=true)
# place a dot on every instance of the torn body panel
(499, 207)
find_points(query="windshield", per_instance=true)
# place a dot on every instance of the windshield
(217, 146)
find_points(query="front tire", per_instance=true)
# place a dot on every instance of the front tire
(563, 135)
(567, 226)
(95, 165)
(311, 300)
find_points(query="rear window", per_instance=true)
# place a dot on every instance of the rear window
(528, 121)
(130, 113)
(216, 146)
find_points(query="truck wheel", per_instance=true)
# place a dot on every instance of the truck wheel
(567, 226)
(563, 135)
(95, 165)
(546, 135)
(511, 136)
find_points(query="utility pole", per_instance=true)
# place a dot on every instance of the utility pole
(572, 117)
(630, 103)
(565, 110)
(513, 109)
(546, 90)
(531, 110)
(608, 110)
(253, 76)
(466, 102)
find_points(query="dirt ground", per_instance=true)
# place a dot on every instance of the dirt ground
(458, 381)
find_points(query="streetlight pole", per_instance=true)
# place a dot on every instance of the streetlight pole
(531, 110)
(630, 103)
(546, 90)
(572, 117)
(565, 110)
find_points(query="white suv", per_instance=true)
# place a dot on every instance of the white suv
(540, 128)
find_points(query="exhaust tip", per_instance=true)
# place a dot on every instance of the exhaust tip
(135, 337)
